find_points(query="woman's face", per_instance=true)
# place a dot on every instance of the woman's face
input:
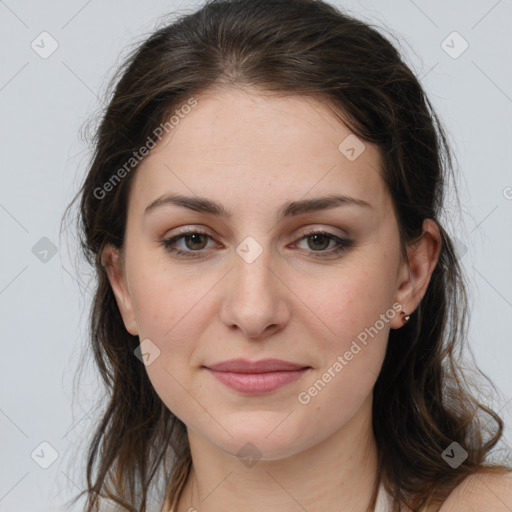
(254, 282)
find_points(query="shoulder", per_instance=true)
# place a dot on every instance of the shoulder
(481, 492)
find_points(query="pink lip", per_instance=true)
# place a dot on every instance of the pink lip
(256, 377)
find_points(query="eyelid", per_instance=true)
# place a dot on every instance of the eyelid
(317, 228)
(185, 230)
(343, 242)
(303, 231)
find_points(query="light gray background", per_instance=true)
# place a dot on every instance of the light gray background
(44, 104)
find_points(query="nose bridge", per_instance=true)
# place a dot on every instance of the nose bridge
(255, 296)
(254, 276)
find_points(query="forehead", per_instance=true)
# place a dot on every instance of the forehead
(235, 142)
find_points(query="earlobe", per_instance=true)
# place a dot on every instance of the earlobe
(111, 261)
(415, 273)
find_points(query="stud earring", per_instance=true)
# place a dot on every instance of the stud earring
(405, 317)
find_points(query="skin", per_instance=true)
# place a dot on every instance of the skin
(252, 152)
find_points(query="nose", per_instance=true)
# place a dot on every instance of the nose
(255, 297)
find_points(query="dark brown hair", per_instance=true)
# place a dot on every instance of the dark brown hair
(422, 400)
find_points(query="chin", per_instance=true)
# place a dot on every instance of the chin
(262, 435)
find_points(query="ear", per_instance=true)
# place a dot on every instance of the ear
(415, 273)
(113, 264)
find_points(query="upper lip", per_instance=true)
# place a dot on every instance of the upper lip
(262, 366)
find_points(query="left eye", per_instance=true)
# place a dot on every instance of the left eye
(318, 241)
(320, 238)
(196, 238)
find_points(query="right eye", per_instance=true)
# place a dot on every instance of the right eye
(191, 238)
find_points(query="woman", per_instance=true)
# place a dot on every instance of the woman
(278, 307)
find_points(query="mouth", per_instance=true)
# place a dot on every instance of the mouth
(256, 377)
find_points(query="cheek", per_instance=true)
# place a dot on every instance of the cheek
(336, 390)
(349, 301)
(164, 298)
(354, 310)
(172, 385)
(169, 313)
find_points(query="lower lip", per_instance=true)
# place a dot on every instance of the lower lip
(257, 383)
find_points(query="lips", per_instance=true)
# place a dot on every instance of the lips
(263, 366)
(256, 377)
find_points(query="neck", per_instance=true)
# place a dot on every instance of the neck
(336, 474)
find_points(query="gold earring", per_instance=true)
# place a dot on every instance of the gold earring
(405, 317)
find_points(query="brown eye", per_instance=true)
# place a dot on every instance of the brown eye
(196, 239)
(192, 242)
(320, 241)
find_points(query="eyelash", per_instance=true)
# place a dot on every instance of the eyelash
(343, 244)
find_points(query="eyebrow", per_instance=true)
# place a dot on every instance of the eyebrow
(289, 209)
